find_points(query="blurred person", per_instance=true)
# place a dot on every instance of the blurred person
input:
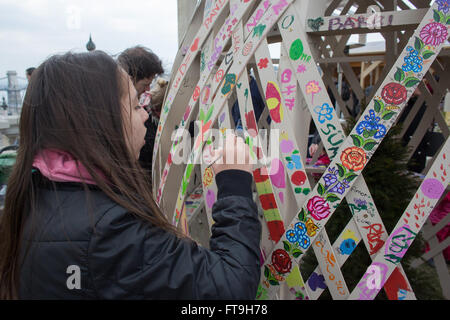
(142, 65)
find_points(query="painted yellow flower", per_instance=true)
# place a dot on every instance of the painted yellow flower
(311, 228)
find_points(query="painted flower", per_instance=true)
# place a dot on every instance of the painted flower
(347, 246)
(394, 93)
(262, 64)
(434, 34)
(329, 179)
(361, 202)
(413, 62)
(311, 227)
(300, 229)
(364, 126)
(301, 68)
(372, 123)
(340, 187)
(443, 5)
(304, 242)
(318, 208)
(381, 132)
(291, 236)
(281, 261)
(354, 158)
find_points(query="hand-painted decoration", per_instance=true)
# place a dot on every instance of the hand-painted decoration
(282, 185)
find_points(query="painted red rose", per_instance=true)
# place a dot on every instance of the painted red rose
(319, 208)
(281, 261)
(394, 93)
(354, 158)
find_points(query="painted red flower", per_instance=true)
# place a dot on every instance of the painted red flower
(394, 93)
(281, 261)
(354, 158)
(319, 208)
(262, 64)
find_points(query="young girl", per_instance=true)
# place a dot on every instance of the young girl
(79, 219)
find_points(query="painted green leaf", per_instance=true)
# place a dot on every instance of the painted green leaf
(210, 111)
(379, 105)
(201, 117)
(399, 77)
(411, 82)
(288, 159)
(301, 215)
(369, 145)
(357, 140)
(332, 198)
(321, 189)
(388, 115)
(296, 152)
(287, 246)
(418, 44)
(274, 282)
(341, 170)
(297, 253)
(367, 134)
(436, 16)
(266, 272)
(298, 190)
(306, 191)
(427, 54)
(351, 177)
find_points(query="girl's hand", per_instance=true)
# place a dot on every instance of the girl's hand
(234, 156)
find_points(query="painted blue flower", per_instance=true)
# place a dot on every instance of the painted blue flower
(339, 188)
(413, 62)
(291, 236)
(304, 242)
(381, 132)
(297, 161)
(364, 126)
(443, 5)
(300, 229)
(329, 179)
(347, 246)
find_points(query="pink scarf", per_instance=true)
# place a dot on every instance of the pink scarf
(60, 166)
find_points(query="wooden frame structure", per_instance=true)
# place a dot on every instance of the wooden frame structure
(227, 41)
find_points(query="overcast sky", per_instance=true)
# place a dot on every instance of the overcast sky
(32, 30)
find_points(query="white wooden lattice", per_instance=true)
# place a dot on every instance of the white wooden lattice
(212, 72)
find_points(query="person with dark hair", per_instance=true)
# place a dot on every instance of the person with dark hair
(80, 221)
(29, 72)
(142, 65)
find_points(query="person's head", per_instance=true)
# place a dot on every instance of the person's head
(29, 72)
(142, 65)
(158, 92)
(86, 105)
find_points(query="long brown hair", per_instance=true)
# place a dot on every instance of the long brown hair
(73, 104)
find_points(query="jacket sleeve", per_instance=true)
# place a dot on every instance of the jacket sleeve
(128, 258)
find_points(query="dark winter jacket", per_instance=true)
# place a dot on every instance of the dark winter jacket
(119, 256)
